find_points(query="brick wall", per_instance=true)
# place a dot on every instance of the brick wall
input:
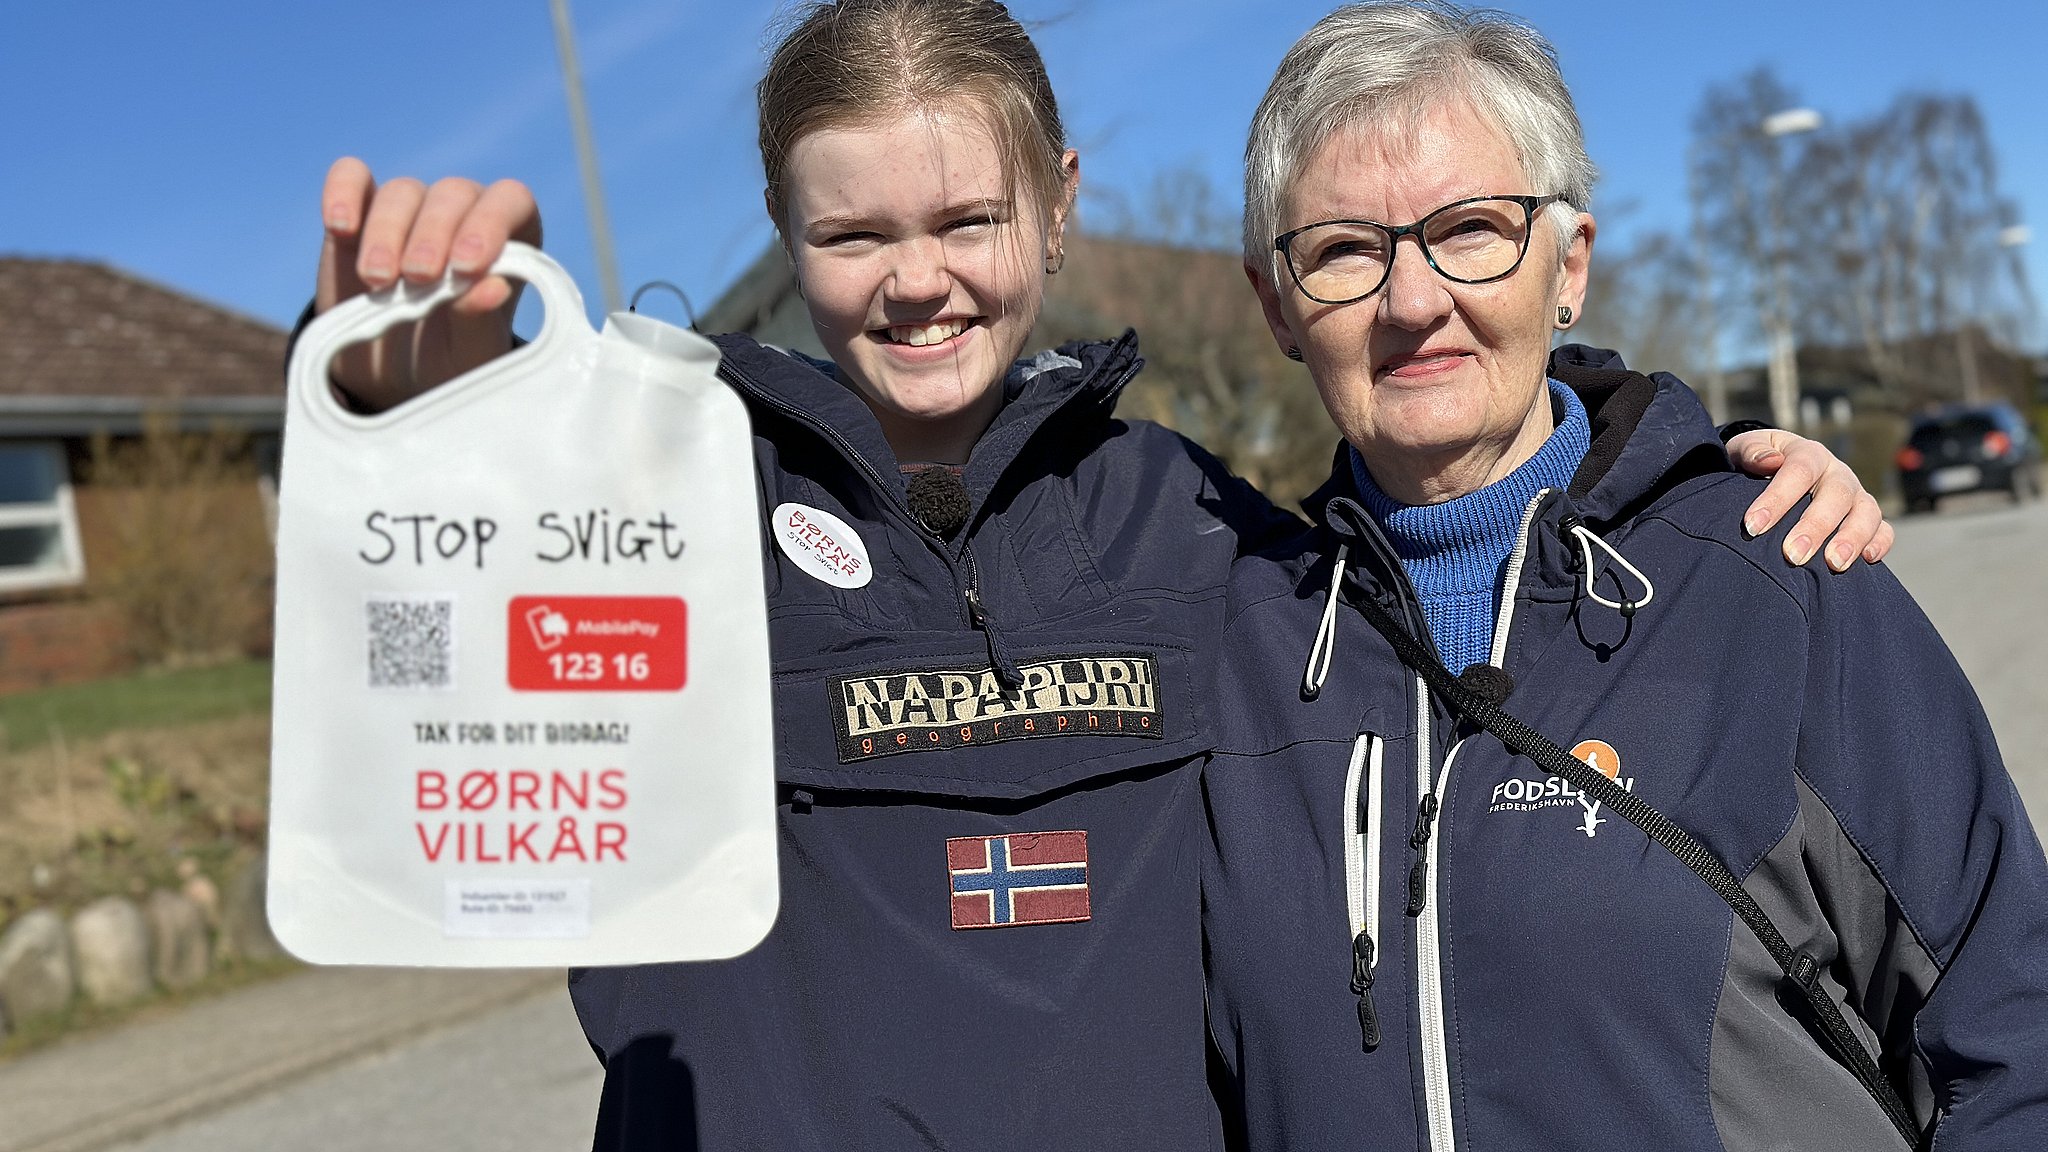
(59, 643)
(75, 635)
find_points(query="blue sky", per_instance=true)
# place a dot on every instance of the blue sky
(186, 142)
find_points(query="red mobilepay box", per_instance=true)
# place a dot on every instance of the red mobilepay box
(596, 643)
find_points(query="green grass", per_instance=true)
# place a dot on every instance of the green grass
(146, 700)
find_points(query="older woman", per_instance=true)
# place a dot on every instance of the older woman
(1418, 938)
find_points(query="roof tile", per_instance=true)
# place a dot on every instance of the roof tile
(78, 328)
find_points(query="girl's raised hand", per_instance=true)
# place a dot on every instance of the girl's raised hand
(375, 235)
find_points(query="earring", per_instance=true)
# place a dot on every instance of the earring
(1293, 354)
(1056, 261)
(1564, 315)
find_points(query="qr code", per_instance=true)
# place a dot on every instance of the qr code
(412, 643)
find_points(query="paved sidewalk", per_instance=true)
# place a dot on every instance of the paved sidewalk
(116, 1084)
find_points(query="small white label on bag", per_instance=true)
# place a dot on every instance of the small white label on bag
(821, 544)
(517, 909)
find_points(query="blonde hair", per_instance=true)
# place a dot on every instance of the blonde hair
(855, 61)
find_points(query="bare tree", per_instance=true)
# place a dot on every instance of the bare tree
(1883, 234)
(1640, 302)
(1909, 224)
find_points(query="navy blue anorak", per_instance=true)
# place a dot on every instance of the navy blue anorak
(917, 794)
(1541, 974)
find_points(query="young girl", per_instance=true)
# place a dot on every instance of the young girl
(989, 934)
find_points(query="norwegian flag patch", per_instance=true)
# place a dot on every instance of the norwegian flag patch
(1023, 878)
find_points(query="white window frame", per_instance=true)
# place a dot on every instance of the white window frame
(68, 568)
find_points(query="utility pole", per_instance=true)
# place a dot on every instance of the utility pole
(586, 157)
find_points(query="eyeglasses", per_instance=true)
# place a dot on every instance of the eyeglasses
(1473, 241)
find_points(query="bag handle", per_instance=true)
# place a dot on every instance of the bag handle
(364, 317)
(1800, 968)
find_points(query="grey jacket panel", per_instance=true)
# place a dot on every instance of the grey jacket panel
(1773, 1087)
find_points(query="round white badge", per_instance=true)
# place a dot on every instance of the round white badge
(821, 544)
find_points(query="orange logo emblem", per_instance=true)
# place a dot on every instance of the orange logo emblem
(1601, 755)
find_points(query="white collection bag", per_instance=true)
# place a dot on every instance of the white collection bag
(522, 711)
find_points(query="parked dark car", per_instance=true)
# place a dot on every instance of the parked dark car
(1970, 448)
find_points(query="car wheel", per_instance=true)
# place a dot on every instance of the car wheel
(1923, 504)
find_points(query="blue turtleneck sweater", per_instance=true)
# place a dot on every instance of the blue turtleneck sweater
(1455, 552)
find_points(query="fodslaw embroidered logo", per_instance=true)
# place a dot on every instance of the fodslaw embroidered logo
(1524, 794)
(927, 709)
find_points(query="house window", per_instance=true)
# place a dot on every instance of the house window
(38, 526)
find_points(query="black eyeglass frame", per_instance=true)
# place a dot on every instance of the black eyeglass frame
(1530, 204)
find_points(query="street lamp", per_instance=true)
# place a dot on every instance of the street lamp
(2011, 239)
(1784, 364)
(1791, 120)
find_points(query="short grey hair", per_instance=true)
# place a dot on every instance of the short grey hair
(1377, 61)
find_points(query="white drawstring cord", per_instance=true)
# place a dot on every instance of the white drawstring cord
(1586, 540)
(1325, 647)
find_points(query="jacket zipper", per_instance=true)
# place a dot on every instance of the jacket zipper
(1362, 820)
(1436, 1071)
(1512, 582)
(1006, 668)
(1422, 879)
(977, 613)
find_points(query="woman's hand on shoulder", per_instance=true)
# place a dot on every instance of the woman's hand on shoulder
(377, 234)
(1841, 508)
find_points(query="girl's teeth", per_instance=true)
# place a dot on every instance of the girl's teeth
(918, 337)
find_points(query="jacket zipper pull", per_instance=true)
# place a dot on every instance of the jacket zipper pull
(1007, 673)
(1418, 875)
(1361, 985)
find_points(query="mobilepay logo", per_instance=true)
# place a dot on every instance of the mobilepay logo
(1521, 794)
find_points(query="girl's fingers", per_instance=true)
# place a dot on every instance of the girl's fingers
(385, 230)
(446, 205)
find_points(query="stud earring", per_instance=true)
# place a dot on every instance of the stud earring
(1293, 354)
(1564, 315)
(1055, 262)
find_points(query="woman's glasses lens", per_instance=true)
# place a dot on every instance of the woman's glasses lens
(1473, 241)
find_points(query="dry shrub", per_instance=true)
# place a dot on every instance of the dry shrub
(1212, 370)
(116, 813)
(179, 542)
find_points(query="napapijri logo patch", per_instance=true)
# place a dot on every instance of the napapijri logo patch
(1023, 878)
(1519, 794)
(928, 709)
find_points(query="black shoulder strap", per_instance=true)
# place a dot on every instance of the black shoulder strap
(1799, 967)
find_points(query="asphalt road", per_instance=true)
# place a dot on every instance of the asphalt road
(520, 1078)
(516, 1079)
